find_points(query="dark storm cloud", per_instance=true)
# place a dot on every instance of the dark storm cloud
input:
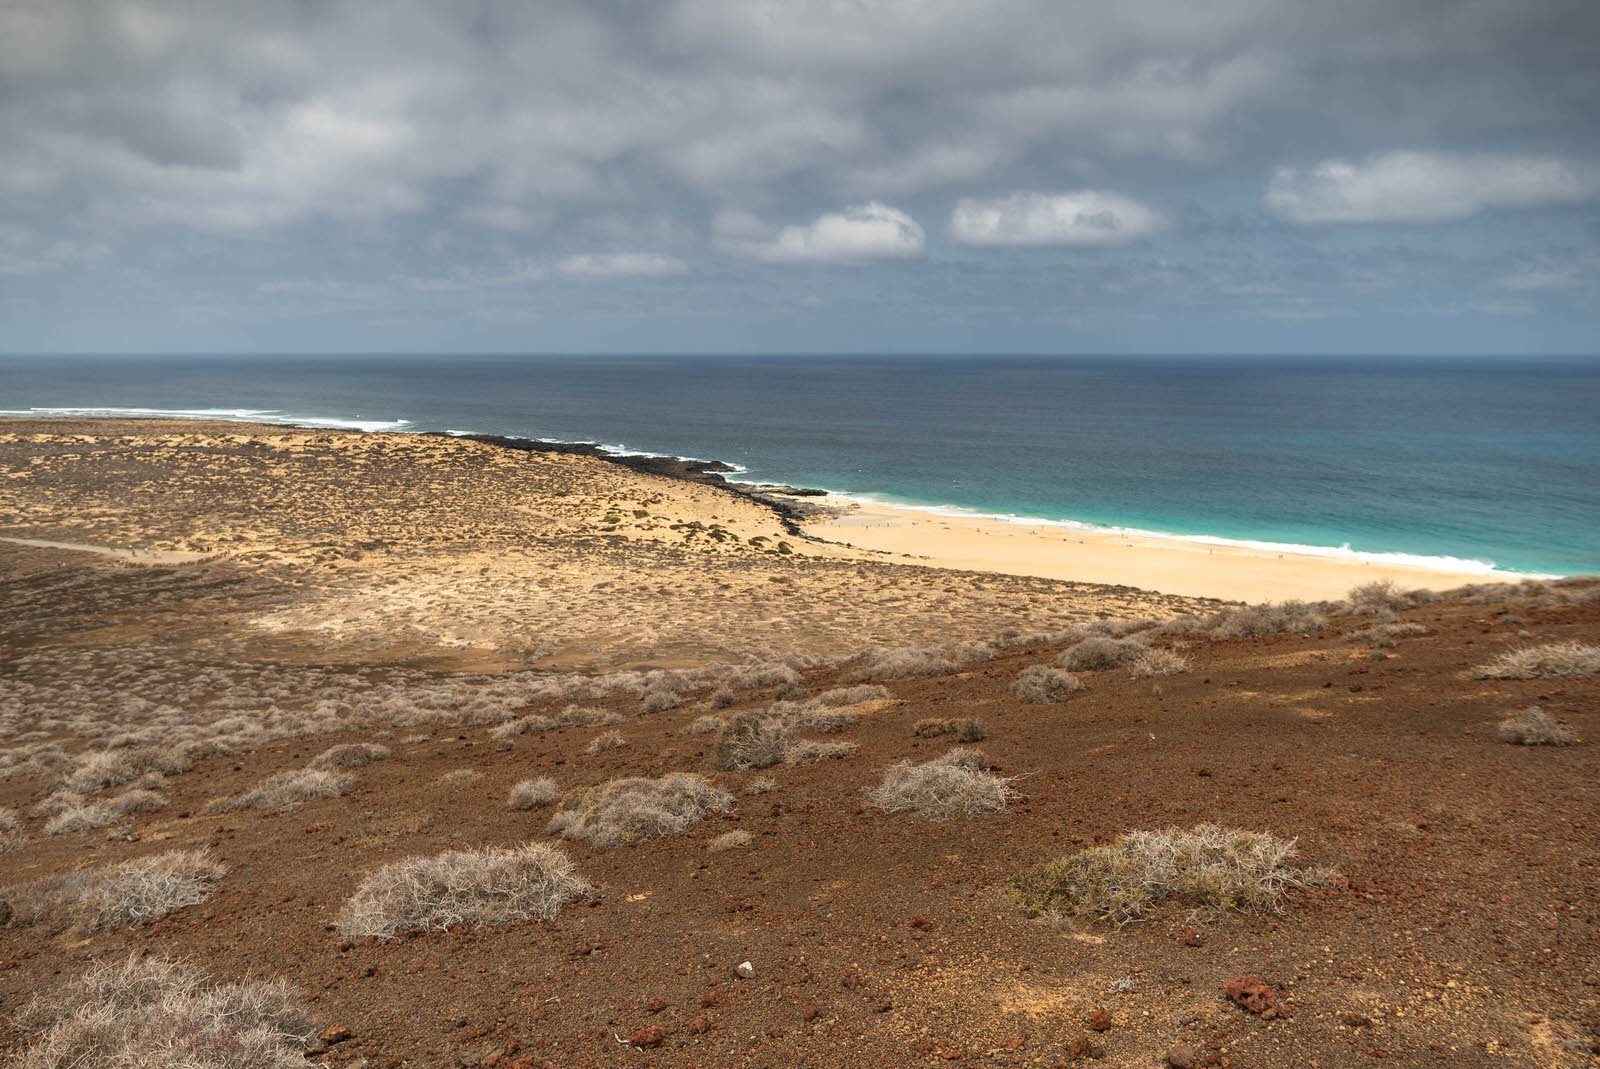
(490, 152)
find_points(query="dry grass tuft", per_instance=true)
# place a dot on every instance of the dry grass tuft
(1384, 636)
(1254, 621)
(810, 751)
(955, 785)
(1099, 652)
(702, 725)
(160, 1014)
(1535, 727)
(1212, 869)
(659, 701)
(606, 740)
(484, 888)
(459, 777)
(856, 695)
(287, 790)
(965, 729)
(1555, 660)
(732, 840)
(533, 793)
(1378, 596)
(1160, 663)
(117, 896)
(635, 809)
(11, 835)
(1039, 684)
(753, 740)
(350, 755)
(84, 816)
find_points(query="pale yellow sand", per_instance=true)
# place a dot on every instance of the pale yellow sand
(1170, 565)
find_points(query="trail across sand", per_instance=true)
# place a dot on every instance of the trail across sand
(137, 556)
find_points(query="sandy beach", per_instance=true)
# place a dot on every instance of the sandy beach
(1171, 565)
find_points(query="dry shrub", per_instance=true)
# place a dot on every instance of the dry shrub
(350, 755)
(459, 777)
(753, 740)
(287, 790)
(483, 888)
(856, 695)
(137, 801)
(1212, 869)
(965, 728)
(1385, 635)
(1159, 663)
(754, 676)
(1253, 621)
(117, 896)
(113, 768)
(932, 661)
(659, 701)
(702, 725)
(533, 793)
(155, 1014)
(11, 835)
(606, 740)
(586, 716)
(1553, 660)
(1039, 684)
(1100, 652)
(526, 725)
(722, 698)
(1378, 596)
(955, 785)
(1535, 727)
(635, 809)
(85, 816)
(761, 785)
(732, 840)
(810, 751)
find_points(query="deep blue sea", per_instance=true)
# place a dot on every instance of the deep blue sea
(1480, 460)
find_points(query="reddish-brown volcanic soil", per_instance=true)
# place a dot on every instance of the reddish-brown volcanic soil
(1468, 933)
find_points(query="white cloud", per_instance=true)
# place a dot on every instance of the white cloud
(1553, 272)
(1420, 187)
(871, 231)
(622, 265)
(1085, 217)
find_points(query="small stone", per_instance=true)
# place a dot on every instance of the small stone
(1357, 1020)
(649, 1036)
(811, 1013)
(700, 1025)
(335, 1034)
(1251, 993)
(744, 970)
(1100, 1021)
(1183, 1056)
(655, 1005)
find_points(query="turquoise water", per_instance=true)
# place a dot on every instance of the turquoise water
(1496, 462)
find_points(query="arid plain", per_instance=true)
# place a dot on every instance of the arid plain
(485, 757)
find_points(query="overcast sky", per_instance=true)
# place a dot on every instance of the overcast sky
(801, 175)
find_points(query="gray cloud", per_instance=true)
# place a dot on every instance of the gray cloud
(475, 149)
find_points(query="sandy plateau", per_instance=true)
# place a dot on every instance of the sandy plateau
(670, 785)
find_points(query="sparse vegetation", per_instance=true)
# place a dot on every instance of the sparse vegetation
(1554, 660)
(1099, 652)
(1159, 662)
(117, 896)
(1039, 684)
(702, 725)
(635, 809)
(931, 661)
(856, 695)
(732, 840)
(287, 790)
(1268, 618)
(955, 785)
(484, 888)
(150, 1012)
(965, 728)
(1378, 596)
(459, 777)
(1535, 727)
(1384, 636)
(659, 701)
(810, 751)
(350, 755)
(606, 740)
(533, 793)
(1212, 869)
(11, 835)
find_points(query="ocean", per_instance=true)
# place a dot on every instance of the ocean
(1495, 462)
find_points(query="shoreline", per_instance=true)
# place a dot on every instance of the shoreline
(953, 537)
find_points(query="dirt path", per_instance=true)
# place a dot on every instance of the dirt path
(137, 556)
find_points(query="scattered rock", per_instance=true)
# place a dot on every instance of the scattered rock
(700, 1025)
(335, 1034)
(655, 1005)
(1082, 1047)
(1251, 993)
(649, 1036)
(1100, 1021)
(811, 1013)
(744, 970)
(1357, 1020)
(1183, 1056)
